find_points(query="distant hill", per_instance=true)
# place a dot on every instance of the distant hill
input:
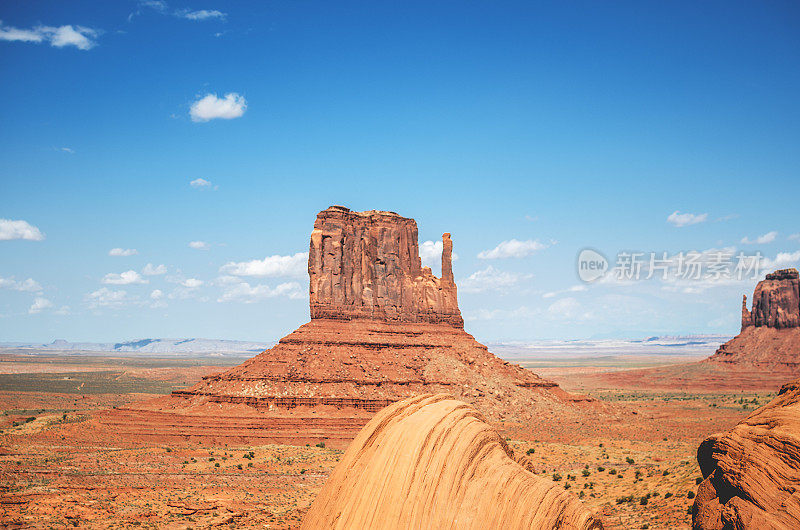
(176, 347)
(691, 345)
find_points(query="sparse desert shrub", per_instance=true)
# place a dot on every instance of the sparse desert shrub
(645, 526)
(585, 473)
(216, 465)
(629, 460)
(581, 495)
(625, 498)
(303, 471)
(600, 469)
(698, 480)
(612, 471)
(530, 451)
(567, 485)
(690, 495)
(665, 473)
(667, 495)
(556, 477)
(249, 464)
(321, 445)
(643, 501)
(238, 466)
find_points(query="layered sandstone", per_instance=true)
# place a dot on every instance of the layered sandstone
(776, 302)
(383, 328)
(770, 335)
(433, 462)
(752, 473)
(366, 265)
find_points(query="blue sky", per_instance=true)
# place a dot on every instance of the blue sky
(558, 125)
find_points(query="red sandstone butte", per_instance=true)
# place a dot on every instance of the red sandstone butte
(770, 336)
(752, 472)
(383, 328)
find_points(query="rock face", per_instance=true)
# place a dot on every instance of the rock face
(366, 265)
(382, 329)
(776, 302)
(770, 334)
(752, 473)
(432, 462)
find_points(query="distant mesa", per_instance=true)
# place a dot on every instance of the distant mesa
(431, 461)
(770, 335)
(752, 472)
(383, 328)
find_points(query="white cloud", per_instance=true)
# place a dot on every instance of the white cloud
(30, 285)
(79, 36)
(123, 252)
(199, 245)
(431, 254)
(200, 183)
(154, 270)
(202, 14)
(211, 107)
(66, 150)
(245, 293)
(567, 309)
(490, 279)
(192, 283)
(157, 294)
(685, 219)
(271, 266)
(513, 249)
(123, 278)
(769, 237)
(105, 297)
(573, 289)
(39, 304)
(781, 261)
(10, 229)
(794, 237)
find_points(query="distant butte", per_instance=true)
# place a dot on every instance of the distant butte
(383, 328)
(770, 335)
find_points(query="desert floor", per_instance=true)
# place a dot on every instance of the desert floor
(637, 467)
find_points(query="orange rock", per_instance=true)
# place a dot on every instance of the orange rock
(433, 462)
(752, 473)
(382, 329)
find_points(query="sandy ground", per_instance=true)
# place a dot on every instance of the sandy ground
(637, 467)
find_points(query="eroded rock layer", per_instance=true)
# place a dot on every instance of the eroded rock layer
(770, 336)
(433, 462)
(752, 473)
(367, 265)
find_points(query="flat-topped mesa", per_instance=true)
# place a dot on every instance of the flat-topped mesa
(776, 302)
(366, 265)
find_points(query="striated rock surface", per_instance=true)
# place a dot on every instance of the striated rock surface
(770, 335)
(776, 302)
(382, 329)
(752, 473)
(366, 265)
(433, 462)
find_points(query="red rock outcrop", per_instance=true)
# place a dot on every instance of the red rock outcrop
(431, 461)
(366, 265)
(770, 335)
(752, 473)
(382, 329)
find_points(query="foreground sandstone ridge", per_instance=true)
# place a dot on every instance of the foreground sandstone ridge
(752, 473)
(367, 265)
(770, 336)
(433, 462)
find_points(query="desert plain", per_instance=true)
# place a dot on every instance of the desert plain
(59, 468)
